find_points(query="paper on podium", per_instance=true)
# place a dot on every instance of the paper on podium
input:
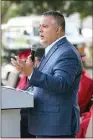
(13, 98)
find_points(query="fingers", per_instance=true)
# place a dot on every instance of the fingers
(22, 66)
(29, 56)
(18, 64)
(18, 68)
(18, 60)
(13, 62)
(29, 60)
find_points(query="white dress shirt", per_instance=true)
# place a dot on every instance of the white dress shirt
(47, 50)
(50, 46)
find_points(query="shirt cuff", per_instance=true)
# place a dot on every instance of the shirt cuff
(29, 77)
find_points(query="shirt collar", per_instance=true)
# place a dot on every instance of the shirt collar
(50, 46)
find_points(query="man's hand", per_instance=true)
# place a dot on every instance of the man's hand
(22, 66)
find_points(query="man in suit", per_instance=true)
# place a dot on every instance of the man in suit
(55, 82)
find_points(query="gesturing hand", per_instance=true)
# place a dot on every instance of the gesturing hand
(22, 66)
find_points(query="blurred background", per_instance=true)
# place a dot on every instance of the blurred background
(20, 28)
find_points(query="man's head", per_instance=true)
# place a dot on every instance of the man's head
(52, 27)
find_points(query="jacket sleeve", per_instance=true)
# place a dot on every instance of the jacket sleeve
(64, 73)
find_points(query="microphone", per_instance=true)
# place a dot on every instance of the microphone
(33, 55)
(33, 49)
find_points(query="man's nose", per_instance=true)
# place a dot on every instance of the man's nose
(40, 29)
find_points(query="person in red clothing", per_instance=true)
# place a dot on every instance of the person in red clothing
(23, 79)
(84, 123)
(85, 91)
(22, 84)
(25, 56)
(85, 94)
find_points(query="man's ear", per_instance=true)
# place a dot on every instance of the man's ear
(58, 29)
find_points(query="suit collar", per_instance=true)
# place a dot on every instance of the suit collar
(50, 46)
(51, 51)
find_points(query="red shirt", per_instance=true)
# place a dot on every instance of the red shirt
(85, 91)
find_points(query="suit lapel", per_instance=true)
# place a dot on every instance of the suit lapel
(51, 51)
(46, 58)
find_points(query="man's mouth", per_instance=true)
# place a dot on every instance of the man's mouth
(41, 37)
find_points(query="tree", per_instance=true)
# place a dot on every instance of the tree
(14, 8)
(84, 7)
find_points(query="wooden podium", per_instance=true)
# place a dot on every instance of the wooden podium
(12, 101)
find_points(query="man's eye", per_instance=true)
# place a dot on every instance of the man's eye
(45, 26)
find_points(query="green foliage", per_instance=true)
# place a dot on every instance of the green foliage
(12, 8)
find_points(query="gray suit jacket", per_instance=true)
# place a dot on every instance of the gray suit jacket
(56, 82)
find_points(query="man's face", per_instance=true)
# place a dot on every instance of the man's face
(48, 28)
